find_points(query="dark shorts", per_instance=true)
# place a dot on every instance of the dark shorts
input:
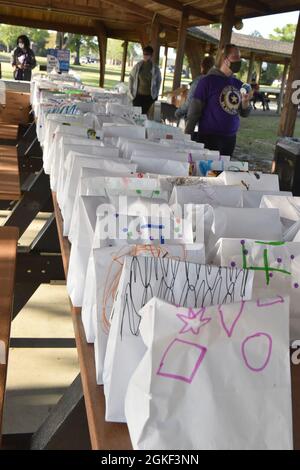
(223, 143)
(144, 101)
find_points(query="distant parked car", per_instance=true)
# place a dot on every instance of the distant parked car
(88, 60)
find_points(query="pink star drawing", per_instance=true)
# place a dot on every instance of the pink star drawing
(193, 321)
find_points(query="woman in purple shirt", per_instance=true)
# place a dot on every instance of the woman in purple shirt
(218, 104)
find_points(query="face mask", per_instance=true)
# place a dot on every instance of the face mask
(21, 45)
(235, 67)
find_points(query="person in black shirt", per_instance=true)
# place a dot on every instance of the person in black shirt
(23, 59)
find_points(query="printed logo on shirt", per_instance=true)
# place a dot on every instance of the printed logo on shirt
(230, 100)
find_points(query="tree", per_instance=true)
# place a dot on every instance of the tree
(114, 51)
(270, 74)
(38, 37)
(287, 33)
(9, 34)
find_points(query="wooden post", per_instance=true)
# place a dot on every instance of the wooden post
(258, 71)
(164, 68)
(182, 33)
(102, 42)
(195, 54)
(124, 60)
(290, 108)
(228, 20)
(251, 67)
(154, 40)
(283, 83)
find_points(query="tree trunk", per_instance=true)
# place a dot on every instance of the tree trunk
(77, 52)
(59, 39)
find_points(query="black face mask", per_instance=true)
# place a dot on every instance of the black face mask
(235, 67)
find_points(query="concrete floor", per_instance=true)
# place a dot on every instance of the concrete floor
(43, 360)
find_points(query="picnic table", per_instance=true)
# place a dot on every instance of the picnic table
(8, 250)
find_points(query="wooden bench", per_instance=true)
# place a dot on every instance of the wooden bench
(9, 132)
(104, 435)
(115, 436)
(16, 108)
(8, 248)
(9, 174)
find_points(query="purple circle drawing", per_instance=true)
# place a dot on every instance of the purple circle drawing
(125, 229)
(296, 285)
(279, 260)
(292, 257)
(232, 264)
(243, 242)
(271, 274)
(267, 359)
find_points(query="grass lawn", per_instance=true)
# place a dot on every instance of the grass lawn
(256, 138)
(88, 73)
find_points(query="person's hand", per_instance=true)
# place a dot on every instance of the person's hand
(246, 97)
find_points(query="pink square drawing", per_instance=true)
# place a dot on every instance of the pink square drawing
(172, 360)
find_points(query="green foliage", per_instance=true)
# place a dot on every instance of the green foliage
(287, 33)
(114, 50)
(268, 76)
(9, 34)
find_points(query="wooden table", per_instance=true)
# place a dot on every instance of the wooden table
(104, 435)
(8, 248)
(110, 436)
(9, 174)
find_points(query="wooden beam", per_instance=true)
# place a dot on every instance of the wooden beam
(84, 11)
(283, 83)
(124, 60)
(45, 24)
(102, 43)
(257, 5)
(195, 53)
(141, 11)
(251, 66)
(290, 108)
(131, 7)
(182, 33)
(227, 25)
(191, 11)
(154, 40)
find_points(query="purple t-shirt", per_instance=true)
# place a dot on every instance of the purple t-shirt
(221, 98)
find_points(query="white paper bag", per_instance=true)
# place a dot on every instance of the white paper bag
(251, 180)
(178, 282)
(252, 199)
(289, 210)
(227, 222)
(276, 268)
(229, 196)
(161, 166)
(212, 379)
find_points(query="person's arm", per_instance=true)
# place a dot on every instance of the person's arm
(194, 114)
(245, 106)
(197, 105)
(158, 80)
(13, 60)
(32, 60)
(131, 80)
